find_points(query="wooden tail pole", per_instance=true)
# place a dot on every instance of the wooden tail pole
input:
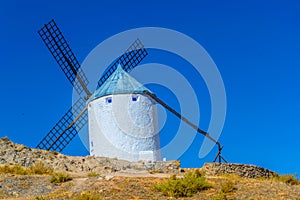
(206, 134)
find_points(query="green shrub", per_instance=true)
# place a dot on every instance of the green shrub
(39, 198)
(288, 179)
(60, 177)
(227, 187)
(90, 195)
(40, 168)
(220, 196)
(93, 174)
(192, 183)
(14, 169)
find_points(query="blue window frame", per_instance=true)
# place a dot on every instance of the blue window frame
(134, 98)
(108, 100)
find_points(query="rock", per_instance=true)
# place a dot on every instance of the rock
(109, 177)
(18, 154)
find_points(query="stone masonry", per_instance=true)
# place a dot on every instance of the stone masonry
(242, 170)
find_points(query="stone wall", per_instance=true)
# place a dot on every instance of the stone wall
(247, 171)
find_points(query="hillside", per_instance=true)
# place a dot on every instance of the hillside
(36, 174)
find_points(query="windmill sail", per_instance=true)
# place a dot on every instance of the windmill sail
(64, 56)
(129, 60)
(65, 129)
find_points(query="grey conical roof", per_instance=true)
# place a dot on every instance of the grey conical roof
(119, 82)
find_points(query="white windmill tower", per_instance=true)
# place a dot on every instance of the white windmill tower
(123, 120)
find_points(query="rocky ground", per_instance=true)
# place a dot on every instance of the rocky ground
(18, 154)
(116, 179)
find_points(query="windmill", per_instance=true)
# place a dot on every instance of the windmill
(77, 116)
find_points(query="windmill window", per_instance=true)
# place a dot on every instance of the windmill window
(135, 98)
(108, 100)
(92, 144)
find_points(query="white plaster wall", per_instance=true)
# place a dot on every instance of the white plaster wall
(124, 129)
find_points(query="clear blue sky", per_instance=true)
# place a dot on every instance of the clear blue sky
(255, 45)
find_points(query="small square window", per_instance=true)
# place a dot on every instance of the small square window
(108, 100)
(134, 98)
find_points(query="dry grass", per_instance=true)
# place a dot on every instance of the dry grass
(14, 169)
(88, 195)
(60, 177)
(193, 185)
(288, 179)
(141, 188)
(93, 174)
(226, 187)
(155, 171)
(38, 168)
